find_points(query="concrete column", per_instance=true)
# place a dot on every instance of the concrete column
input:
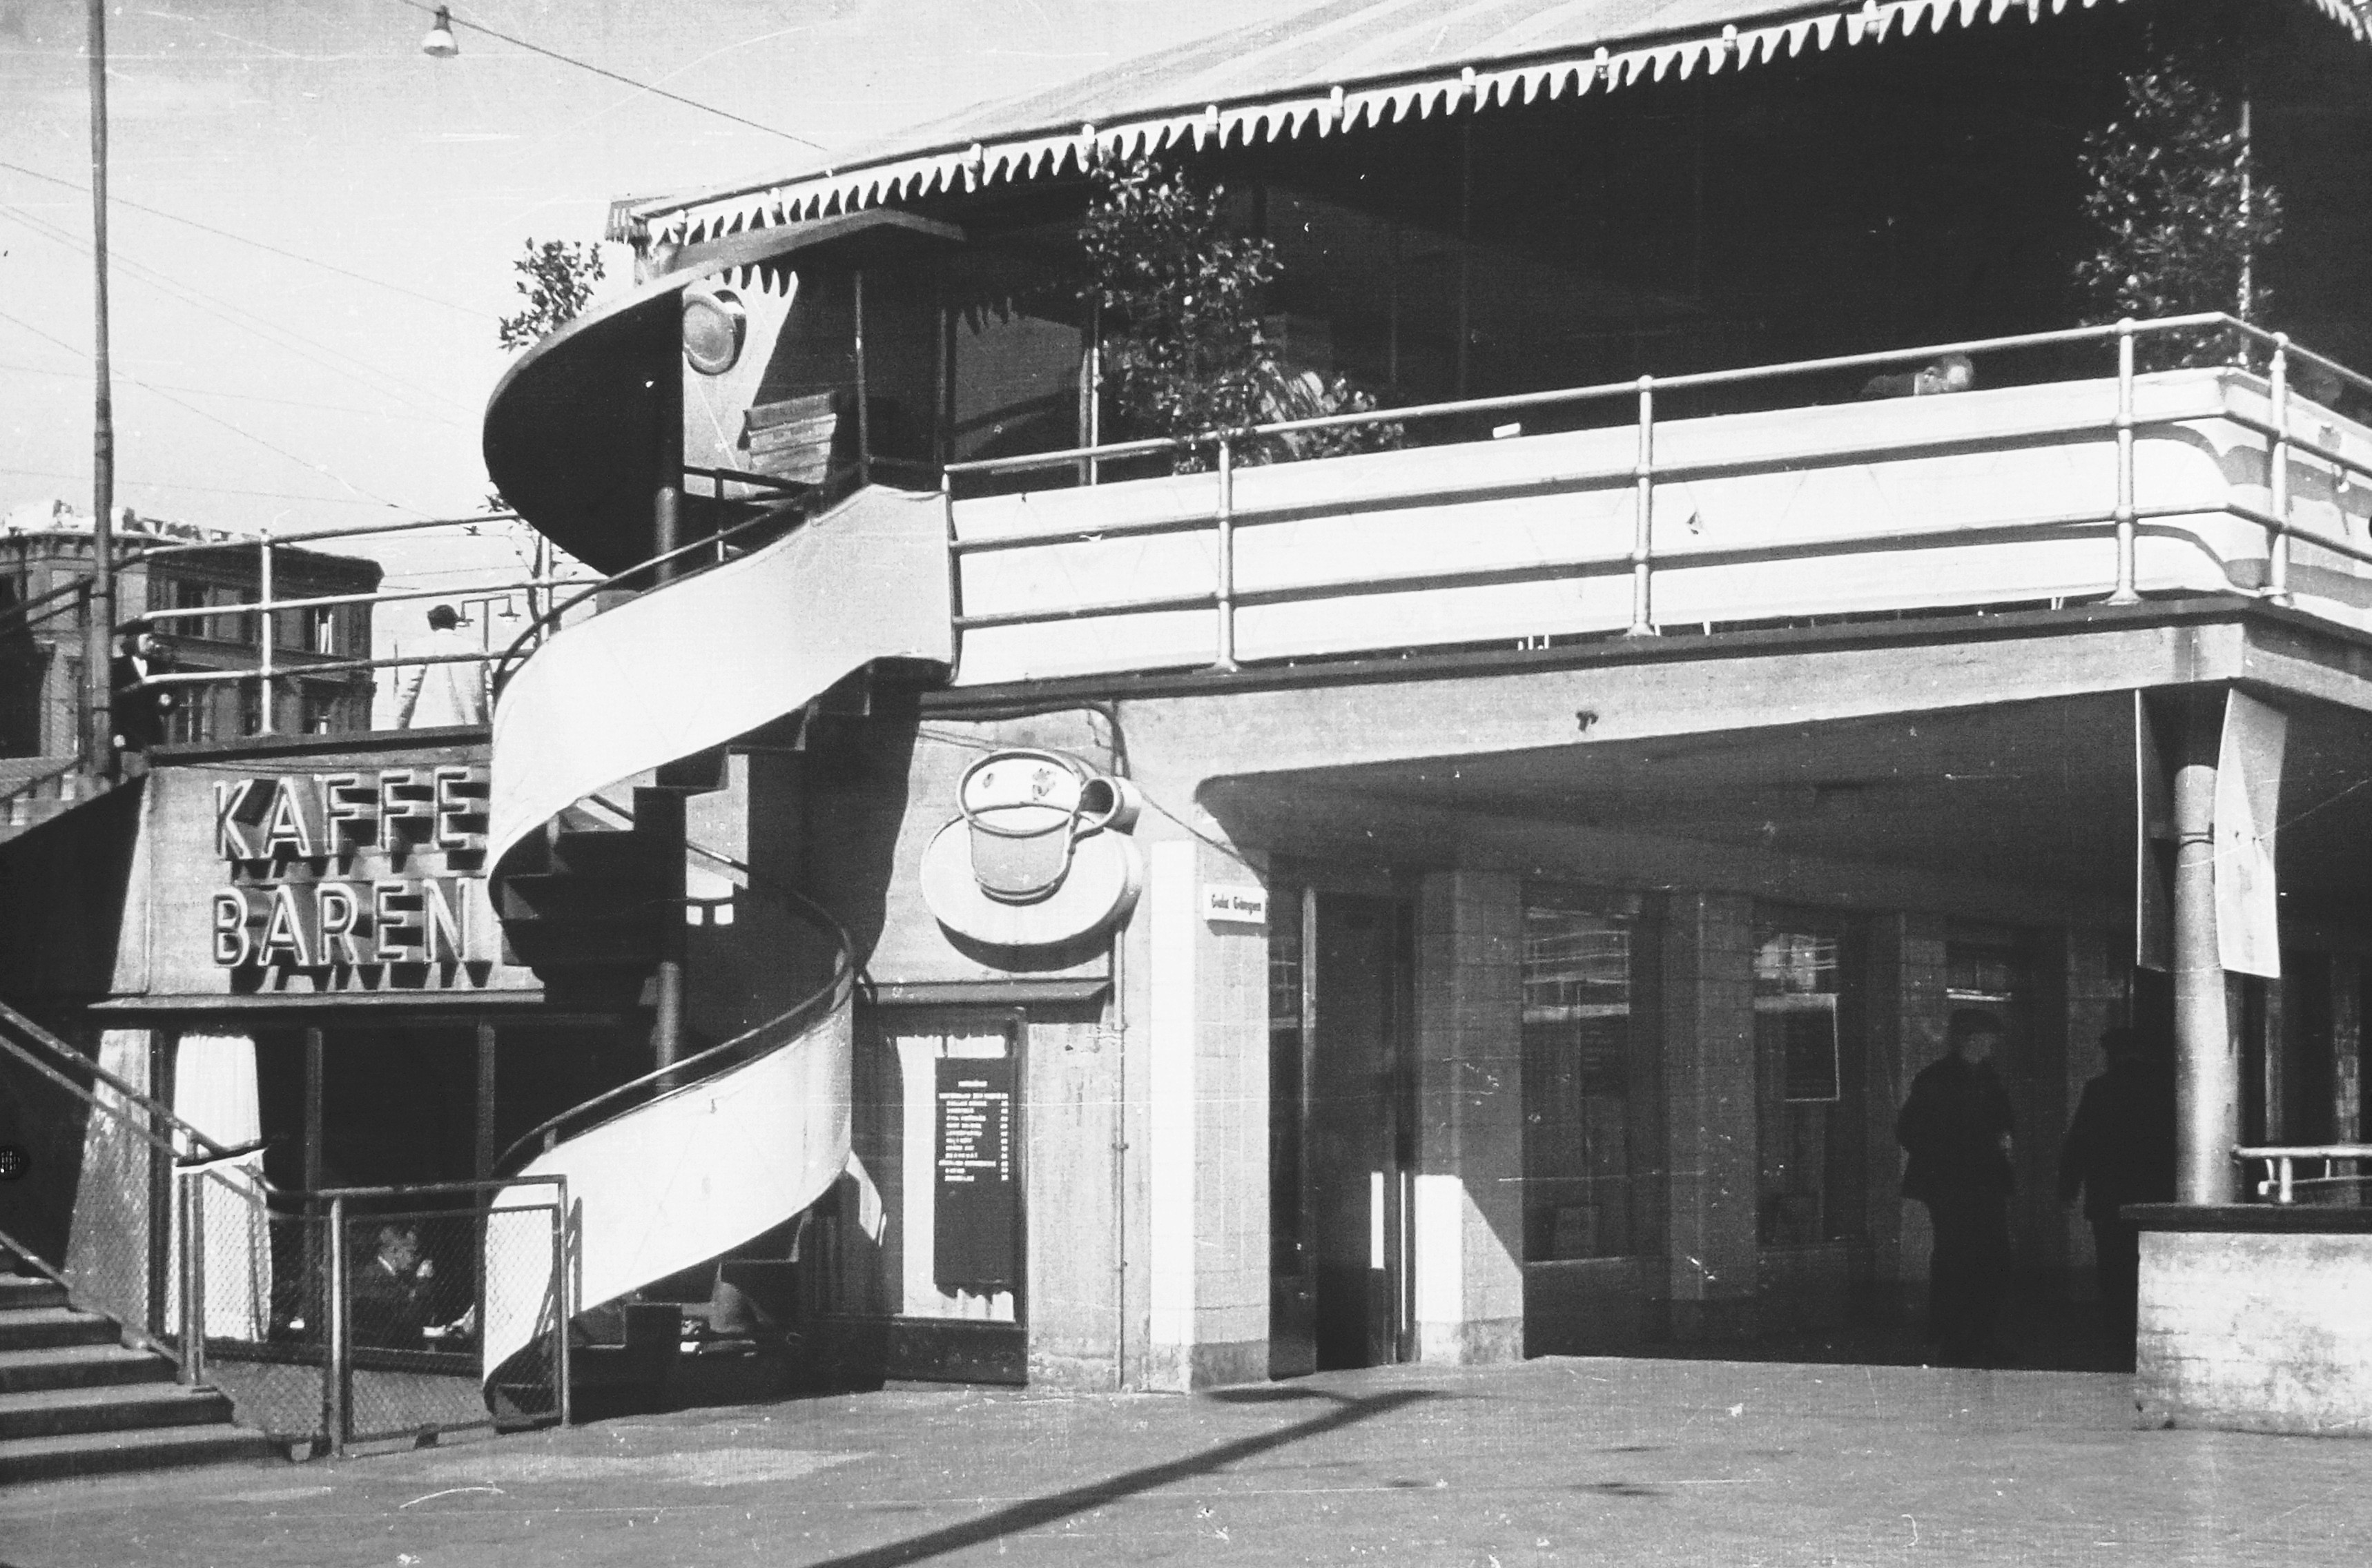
(1710, 1245)
(2346, 1048)
(1470, 1202)
(1207, 1115)
(1907, 1015)
(2206, 1050)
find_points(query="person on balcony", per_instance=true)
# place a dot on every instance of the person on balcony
(449, 693)
(2119, 1150)
(1947, 373)
(1956, 1128)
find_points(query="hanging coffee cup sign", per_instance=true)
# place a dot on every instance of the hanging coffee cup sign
(1039, 854)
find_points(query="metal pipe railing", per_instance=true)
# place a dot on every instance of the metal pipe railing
(2281, 1181)
(1645, 473)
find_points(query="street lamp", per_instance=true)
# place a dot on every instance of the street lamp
(440, 43)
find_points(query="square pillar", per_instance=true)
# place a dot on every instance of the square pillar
(1908, 1011)
(1206, 1125)
(1710, 1250)
(1470, 1045)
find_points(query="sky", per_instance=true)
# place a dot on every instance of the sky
(312, 224)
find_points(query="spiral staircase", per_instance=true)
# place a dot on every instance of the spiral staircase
(682, 1165)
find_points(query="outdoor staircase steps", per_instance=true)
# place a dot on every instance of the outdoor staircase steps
(75, 1401)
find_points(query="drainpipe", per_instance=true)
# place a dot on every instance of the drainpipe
(2207, 1064)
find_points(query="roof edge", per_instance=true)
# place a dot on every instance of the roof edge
(1455, 86)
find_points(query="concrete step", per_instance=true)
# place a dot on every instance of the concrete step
(30, 1290)
(61, 1413)
(80, 1367)
(101, 1453)
(39, 1327)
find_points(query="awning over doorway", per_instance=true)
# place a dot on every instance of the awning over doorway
(1330, 68)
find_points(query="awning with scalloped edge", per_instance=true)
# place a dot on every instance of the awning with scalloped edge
(1326, 69)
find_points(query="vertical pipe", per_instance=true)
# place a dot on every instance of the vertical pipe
(864, 403)
(2207, 1067)
(1091, 392)
(564, 1296)
(661, 813)
(162, 1142)
(482, 1164)
(191, 1324)
(99, 624)
(333, 1364)
(1643, 537)
(1465, 247)
(667, 525)
(315, 1304)
(2277, 538)
(2126, 591)
(263, 634)
(1392, 315)
(1226, 563)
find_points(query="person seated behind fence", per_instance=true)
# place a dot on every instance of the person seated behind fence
(1948, 373)
(389, 1295)
(452, 693)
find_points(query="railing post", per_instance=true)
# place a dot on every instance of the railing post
(2126, 591)
(563, 1296)
(955, 567)
(1643, 538)
(191, 1274)
(2277, 538)
(263, 635)
(333, 1363)
(1226, 594)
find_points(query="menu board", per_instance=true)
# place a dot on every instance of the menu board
(974, 1233)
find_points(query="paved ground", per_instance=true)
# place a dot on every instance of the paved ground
(1554, 1462)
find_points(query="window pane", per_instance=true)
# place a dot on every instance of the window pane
(1579, 1150)
(1808, 1136)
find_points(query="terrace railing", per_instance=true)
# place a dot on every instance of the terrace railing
(1648, 470)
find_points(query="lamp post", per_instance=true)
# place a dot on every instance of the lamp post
(99, 612)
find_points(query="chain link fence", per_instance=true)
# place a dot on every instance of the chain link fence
(409, 1284)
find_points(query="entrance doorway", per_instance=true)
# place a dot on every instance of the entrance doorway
(1342, 1130)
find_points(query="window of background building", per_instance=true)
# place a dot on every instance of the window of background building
(1589, 1144)
(1807, 1073)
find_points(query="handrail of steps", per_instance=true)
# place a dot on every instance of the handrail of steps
(682, 1076)
(548, 620)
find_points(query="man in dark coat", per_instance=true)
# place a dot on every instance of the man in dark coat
(1956, 1128)
(2119, 1150)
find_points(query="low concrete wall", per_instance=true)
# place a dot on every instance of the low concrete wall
(2255, 1318)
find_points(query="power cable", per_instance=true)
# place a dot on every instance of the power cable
(452, 20)
(216, 419)
(258, 397)
(187, 484)
(261, 327)
(115, 200)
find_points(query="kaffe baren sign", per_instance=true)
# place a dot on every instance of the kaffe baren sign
(365, 880)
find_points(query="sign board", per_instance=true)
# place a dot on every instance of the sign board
(975, 1189)
(1235, 903)
(2248, 796)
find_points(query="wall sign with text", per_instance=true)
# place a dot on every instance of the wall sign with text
(362, 881)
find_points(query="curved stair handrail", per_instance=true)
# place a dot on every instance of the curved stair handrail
(689, 1073)
(693, 664)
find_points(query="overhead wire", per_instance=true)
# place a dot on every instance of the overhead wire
(115, 200)
(258, 397)
(270, 331)
(657, 91)
(306, 463)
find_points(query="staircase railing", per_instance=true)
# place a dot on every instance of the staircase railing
(688, 1074)
(140, 1251)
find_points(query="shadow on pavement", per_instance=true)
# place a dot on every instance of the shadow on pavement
(1347, 1411)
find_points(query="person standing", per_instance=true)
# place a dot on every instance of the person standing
(2119, 1150)
(1956, 1128)
(452, 691)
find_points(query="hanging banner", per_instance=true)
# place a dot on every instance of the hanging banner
(2248, 798)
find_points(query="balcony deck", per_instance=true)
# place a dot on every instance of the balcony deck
(1995, 498)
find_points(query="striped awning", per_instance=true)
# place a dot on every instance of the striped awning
(1326, 69)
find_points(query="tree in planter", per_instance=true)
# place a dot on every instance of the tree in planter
(2181, 221)
(557, 277)
(1181, 296)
